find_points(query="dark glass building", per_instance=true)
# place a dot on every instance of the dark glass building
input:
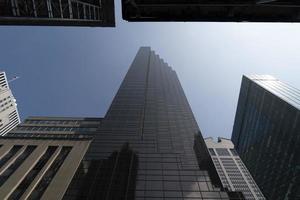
(266, 135)
(95, 13)
(148, 145)
(150, 115)
(212, 11)
(144, 146)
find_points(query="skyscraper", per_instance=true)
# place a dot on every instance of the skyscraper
(266, 135)
(9, 116)
(148, 136)
(141, 149)
(57, 12)
(211, 11)
(233, 173)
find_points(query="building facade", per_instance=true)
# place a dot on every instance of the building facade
(211, 11)
(9, 116)
(39, 167)
(232, 172)
(143, 147)
(57, 126)
(266, 135)
(96, 13)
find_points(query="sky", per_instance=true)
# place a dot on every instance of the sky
(73, 71)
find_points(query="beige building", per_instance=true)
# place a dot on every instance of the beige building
(230, 168)
(39, 167)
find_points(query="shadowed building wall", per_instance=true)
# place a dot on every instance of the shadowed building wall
(212, 10)
(38, 167)
(266, 135)
(57, 12)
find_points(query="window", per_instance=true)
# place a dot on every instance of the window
(212, 152)
(10, 154)
(233, 152)
(45, 181)
(15, 165)
(22, 187)
(222, 152)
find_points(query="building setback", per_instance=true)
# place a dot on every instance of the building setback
(212, 11)
(232, 172)
(142, 148)
(96, 13)
(9, 116)
(57, 126)
(266, 135)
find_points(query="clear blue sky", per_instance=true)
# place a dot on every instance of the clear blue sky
(68, 71)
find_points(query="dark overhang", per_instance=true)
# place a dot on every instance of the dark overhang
(212, 10)
(94, 13)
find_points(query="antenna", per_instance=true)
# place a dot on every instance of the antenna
(13, 79)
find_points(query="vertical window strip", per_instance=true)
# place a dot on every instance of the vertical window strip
(47, 178)
(10, 154)
(15, 165)
(22, 187)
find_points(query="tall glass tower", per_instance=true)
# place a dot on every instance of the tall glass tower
(144, 148)
(266, 135)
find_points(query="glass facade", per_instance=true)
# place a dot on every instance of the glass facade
(151, 116)
(266, 135)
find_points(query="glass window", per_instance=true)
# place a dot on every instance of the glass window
(19, 191)
(233, 152)
(222, 152)
(211, 151)
(170, 185)
(15, 165)
(48, 176)
(203, 186)
(153, 185)
(189, 186)
(10, 154)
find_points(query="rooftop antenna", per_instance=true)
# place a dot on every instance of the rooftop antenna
(13, 79)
